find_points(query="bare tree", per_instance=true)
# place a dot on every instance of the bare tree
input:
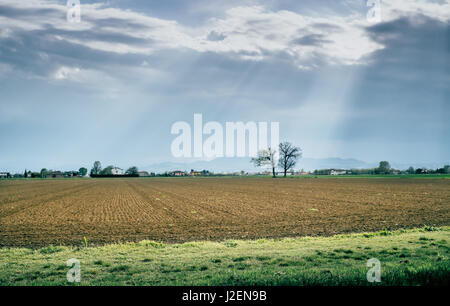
(288, 156)
(265, 158)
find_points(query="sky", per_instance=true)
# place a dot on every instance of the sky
(110, 87)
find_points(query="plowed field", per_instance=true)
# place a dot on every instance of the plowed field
(36, 213)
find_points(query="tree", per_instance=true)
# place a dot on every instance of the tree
(107, 170)
(97, 168)
(25, 174)
(132, 171)
(447, 169)
(288, 156)
(44, 172)
(265, 158)
(384, 167)
(82, 171)
(411, 170)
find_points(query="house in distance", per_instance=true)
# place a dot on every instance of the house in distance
(143, 173)
(116, 171)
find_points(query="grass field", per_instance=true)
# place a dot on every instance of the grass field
(37, 213)
(411, 257)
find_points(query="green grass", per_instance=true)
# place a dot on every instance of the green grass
(408, 257)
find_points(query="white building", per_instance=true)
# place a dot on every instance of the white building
(143, 173)
(281, 173)
(338, 172)
(116, 171)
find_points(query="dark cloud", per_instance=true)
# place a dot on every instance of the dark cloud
(416, 51)
(98, 35)
(412, 31)
(14, 12)
(215, 36)
(259, 21)
(327, 27)
(40, 53)
(311, 40)
(402, 96)
(118, 23)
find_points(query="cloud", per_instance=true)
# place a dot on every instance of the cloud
(416, 50)
(249, 33)
(66, 72)
(215, 36)
(311, 40)
(394, 9)
(256, 33)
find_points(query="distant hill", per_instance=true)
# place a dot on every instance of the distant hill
(334, 162)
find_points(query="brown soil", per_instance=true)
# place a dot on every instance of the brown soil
(36, 213)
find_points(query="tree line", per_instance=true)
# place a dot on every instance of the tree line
(285, 158)
(97, 170)
(385, 168)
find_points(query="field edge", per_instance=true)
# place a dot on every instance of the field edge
(408, 257)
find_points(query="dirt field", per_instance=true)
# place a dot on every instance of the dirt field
(37, 213)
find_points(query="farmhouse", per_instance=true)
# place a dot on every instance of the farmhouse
(71, 174)
(143, 173)
(116, 171)
(195, 173)
(4, 175)
(302, 173)
(55, 174)
(338, 172)
(178, 173)
(281, 173)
